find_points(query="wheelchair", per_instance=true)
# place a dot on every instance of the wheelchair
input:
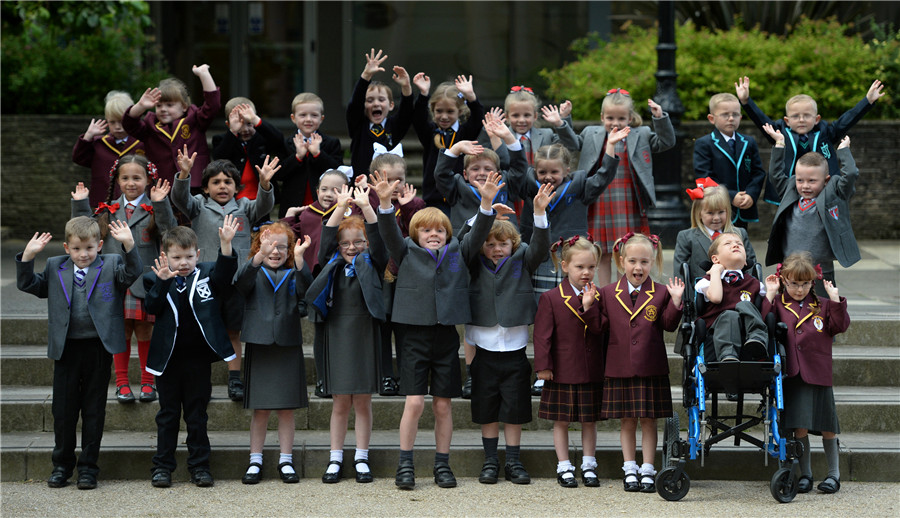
(703, 380)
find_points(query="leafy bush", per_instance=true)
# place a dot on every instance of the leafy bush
(62, 57)
(818, 58)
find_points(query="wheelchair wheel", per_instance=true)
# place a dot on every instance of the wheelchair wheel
(673, 489)
(783, 485)
(670, 435)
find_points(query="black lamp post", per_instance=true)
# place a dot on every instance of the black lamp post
(670, 214)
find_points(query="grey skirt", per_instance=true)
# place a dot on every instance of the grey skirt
(275, 377)
(809, 406)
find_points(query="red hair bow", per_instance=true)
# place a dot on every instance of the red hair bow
(702, 183)
(618, 91)
(521, 88)
(819, 274)
(147, 207)
(111, 208)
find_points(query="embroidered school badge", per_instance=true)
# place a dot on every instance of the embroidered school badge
(185, 132)
(833, 212)
(825, 150)
(570, 199)
(646, 156)
(203, 290)
(348, 212)
(746, 164)
(145, 236)
(650, 313)
(818, 323)
(745, 295)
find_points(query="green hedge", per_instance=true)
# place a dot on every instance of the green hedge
(819, 58)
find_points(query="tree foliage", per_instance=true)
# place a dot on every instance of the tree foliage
(62, 57)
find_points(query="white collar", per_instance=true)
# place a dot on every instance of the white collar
(710, 231)
(739, 272)
(576, 290)
(631, 288)
(527, 135)
(135, 202)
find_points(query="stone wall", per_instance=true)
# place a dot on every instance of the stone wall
(37, 174)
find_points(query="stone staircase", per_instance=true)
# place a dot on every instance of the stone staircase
(867, 389)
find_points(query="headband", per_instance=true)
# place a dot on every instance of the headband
(702, 183)
(817, 268)
(521, 88)
(618, 91)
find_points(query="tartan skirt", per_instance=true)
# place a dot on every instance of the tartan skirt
(545, 279)
(571, 402)
(134, 309)
(639, 396)
(617, 211)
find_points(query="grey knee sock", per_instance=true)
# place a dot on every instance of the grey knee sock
(806, 459)
(831, 455)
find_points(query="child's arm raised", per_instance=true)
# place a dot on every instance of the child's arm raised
(181, 191)
(663, 136)
(423, 83)
(772, 285)
(26, 280)
(714, 291)
(148, 101)
(401, 77)
(539, 246)
(229, 227)
(126, 273)
(846, 182)
(80, 204)
(448, 182)
(206, 79)
(97, 128)
(470, 245)
(361, 199)
(373, 64)
(742, 90)
(119, 231)
(597, 183)
(388, 227)
(776, 163)
(839, 128)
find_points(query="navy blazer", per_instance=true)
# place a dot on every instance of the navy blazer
(266, 141)
(107, 279)
(298, 175)
(742, 171)
(272, 308)
(207, 281)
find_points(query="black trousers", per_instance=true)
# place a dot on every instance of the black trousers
(184, 386)
(80, 386)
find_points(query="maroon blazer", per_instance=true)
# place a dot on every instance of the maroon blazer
(744, 289)
(163, 141)
(810, 336)
(567, 339)
(636, 346)
(310, 222)
(100, 154)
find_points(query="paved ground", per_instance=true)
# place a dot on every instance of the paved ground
(542, 498)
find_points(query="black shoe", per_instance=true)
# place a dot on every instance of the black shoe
(363, 478)
(87, 481)
(805, 484)
(648, 484)
(202, 478)
(333, 478)
(536, 389)
(443, 475)
(589, 481)
(754, 350)
(389, 387)
(406, 475)
(235, 389)
(320, 390)
(564, 481)
(631, 482)
(286, 476)
(490, 472)
(148, 396)
(252, 478)
(829, 485)
(58, 478)
(161, 478)
(515, 473)
(124, 394)
(467, 388)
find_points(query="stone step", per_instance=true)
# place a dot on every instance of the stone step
(28, 409)
(852, 366)
(127, 455)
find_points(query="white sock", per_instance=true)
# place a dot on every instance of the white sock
(336, 456)
(362, 455)
(286, 457)
(254, 457)
(647, 470)
(588, 462)
(539, 383)
(630, 467)
(563, 466)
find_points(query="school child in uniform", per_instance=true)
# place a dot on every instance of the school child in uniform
(367, 114)
(273, 284)
(814, 214)
(808, 395)
(502, 309)
(347, 295)
(188, 336)
(175, 124)
(97, 151)
(804, 128)
(623, 206)
(430, 262)
(148, 217)
(569, 356)
(635, 311)
(84, 293)
(313, 153)
(450, 115)
(731, 159)
(247, 143)
(220, 182)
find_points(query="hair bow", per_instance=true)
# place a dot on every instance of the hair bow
(111, 208)
(147, 207)
(654, 240)
(346, 169)
(521, 88)
(819, 274)
(151, 170)
(261, 225)
(702, 183)
(381, 150)
(618, 91)
(621, 242)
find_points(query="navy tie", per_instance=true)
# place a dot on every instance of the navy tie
(179, 281)
(79, 277)
(350, 270)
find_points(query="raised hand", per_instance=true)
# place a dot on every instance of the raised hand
(161, 267)
(500, 130)
(247, 113)
(775, 134)
(543, 198)
(467, 147)
(35, 245)
(266, 245)
(845, 142)
(742, 89)
(465, 87)
(314, 144)
(201, 70)
(772, 284)
(81, 192)
(95, 129)
(383, 188)
(422, 82)
(400, 76)
(235, 121)
(676, 290)
(503, 211)
(373, 64)
(565, 109)
(149, 99)
(300, 248)
(159, 191)
(495, 113)
(831, 290)
(490, 188)
(655, 109)
(267, 171)
(228, 229)
(361, 195)
(185, 162)
(587, 296)
(552, 115)
(344, 196)
(294, 211)
(875, 92)
(615, 137)
(120, 232)
(407, 193)
(301, 146)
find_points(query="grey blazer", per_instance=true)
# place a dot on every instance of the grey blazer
(273, 304)
(147, 246)
(107, 279)
(692, 247)
(431, 291)
(832, 206)
(641, 142)
(539, 137)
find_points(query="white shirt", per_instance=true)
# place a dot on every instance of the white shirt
(135, 202)
(497, 338)
(703, 284)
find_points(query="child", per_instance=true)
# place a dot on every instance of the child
(568, 356)
(455, 115)
(502, 309)
(732, 319)
(458, 190)
(98, 151)
(247, 143)
(273, 284)
(814, 215)
(731, 159)
(84, 293)
(710, 217)
(314, 153)
(367, 113)
(635, 311)
(812, 324)
(176, 124)
(431, 258)
(623, 206)
(189, 335)
(135, 177)
(206, 212)
(347, 295)
(804, 127)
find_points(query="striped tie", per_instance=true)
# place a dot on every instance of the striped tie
(526, 147)
(129, 210)
(79, 278)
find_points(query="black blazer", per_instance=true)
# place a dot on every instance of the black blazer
(742, 171)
